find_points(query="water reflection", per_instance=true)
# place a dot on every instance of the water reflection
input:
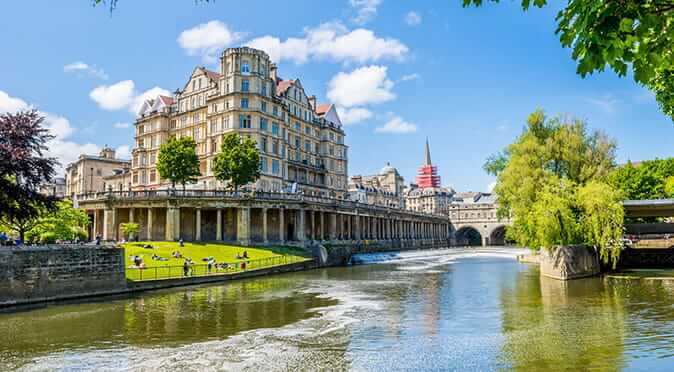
(549, 324)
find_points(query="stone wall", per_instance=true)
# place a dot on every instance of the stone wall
(44, 273)
(569, 262)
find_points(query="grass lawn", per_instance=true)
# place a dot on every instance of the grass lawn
(222, 253)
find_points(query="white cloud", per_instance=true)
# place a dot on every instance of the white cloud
(115, 96)
(332, 41)
(364, 85)
(60, 147)
(607, 103)
(412, 18)
(123, 95)
(397, 125)
(81, 67)
(366, 10)
(120, 125)
(207, 39)
(353, 115)
(123, 152)
(410, 77)
(11, 104)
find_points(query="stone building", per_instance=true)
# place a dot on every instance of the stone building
(384, 188)
(426, 195)
(301, 142)
(87, 172)
(474, 218)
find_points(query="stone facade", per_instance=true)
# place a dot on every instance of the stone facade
(384, 188)
(87, 173)
(301, 142)
(569, 262)
(32, 274)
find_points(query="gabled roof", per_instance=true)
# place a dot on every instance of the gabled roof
(168, 101)
(211, 74)
(282, 86)
(322, 108)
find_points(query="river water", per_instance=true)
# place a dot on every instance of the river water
(458, 309)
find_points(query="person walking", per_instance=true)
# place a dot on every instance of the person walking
(186, 268)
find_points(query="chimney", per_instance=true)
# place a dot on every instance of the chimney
(273, 72)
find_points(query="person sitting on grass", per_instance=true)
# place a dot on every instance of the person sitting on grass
(148, 246)
(245, 254)
(238, 256)
(176, 254)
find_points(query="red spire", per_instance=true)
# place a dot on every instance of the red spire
(427, 175)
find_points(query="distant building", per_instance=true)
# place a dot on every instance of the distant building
(426, 195)
(56, 188)
(385, 188)
(87, 172)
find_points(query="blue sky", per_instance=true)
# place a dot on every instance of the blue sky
(464, 78)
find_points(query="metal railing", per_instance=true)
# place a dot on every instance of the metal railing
(242, 195)
(201, 270)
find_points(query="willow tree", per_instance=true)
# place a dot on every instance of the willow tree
(552, 183)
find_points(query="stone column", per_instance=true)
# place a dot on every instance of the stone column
(218, 227)
(313, 225)
(264, 225)
(321, 233)
(332, 226)
(301, 232)
(131, 214)
(198, 225)
(348, 227)
(282, 225)
(149, 224)
(95, 225)
(484, 241)
(172, 223)
(108, 224)
(243, 226)
(357, 229)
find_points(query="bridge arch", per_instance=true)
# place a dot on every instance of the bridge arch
(468, 235)
(497, 235)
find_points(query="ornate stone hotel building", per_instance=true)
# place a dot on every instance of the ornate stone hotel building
(301, 142)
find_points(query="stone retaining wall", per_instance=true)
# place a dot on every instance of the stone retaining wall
(569, 262)
(52, 272)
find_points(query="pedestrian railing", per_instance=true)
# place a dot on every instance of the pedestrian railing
(200, 270)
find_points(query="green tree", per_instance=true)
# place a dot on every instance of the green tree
(238, 162)
(130, 229)
(62, 223)
(178, 161)
(551, 182)
(621, 34)
(645, 180)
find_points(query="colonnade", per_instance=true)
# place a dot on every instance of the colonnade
(247, 225)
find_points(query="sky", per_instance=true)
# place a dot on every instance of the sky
(399, 72)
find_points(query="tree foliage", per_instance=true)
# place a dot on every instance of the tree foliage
(24, 166)
(130, 229)
(178, 161)
(644, 180)
(621, 34)
(62, 223)
(238, 162)
(551, 182)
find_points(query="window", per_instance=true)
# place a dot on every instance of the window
(275, 110)
(263, 89)
(263, 144)
(275, 166)
(307, 130)
(264, 124)
(263, 164)
(153, 175)
(274, 129)
(298, 126)
(214, 108)
(244, 121)
(244, 102)
(263, 106)
(245, 85)
(274, 147)
(194, 85)
(307, 146)
(245, 68)
(297, 142)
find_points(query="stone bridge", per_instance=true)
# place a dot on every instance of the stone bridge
(476, 224)
(257, 218)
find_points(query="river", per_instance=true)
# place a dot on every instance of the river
(457, 309)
